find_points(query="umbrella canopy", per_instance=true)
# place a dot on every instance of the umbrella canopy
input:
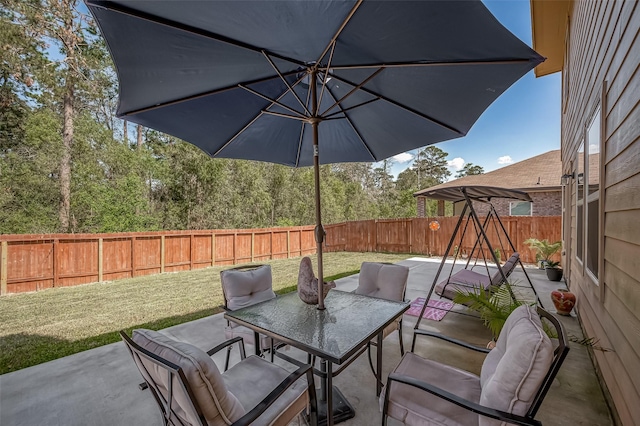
(309, 82)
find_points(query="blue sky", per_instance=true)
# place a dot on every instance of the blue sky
(520, 124)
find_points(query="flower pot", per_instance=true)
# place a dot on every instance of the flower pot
(563, 300)
(554, 274)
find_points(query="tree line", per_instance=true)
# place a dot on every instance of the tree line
(67, 164)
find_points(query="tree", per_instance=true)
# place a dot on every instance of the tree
(431, 166)
(73, 74)
(470, 169)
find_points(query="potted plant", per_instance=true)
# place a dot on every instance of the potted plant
(544, 251)
(553, 270)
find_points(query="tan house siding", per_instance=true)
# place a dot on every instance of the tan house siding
(602, 71)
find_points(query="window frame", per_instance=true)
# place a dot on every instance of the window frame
(511, 203)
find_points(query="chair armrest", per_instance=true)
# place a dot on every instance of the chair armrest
(419, 332)
(252, 415)
(227, 343)
(464, 403)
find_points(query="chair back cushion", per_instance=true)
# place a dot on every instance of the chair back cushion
(507, 268)
(383, 280)
(514, 370)
(246, 287)
(218, 405)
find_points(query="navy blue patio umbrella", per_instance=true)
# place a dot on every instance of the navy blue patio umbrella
(305, 83)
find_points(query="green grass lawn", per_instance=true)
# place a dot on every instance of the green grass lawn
(50, 324)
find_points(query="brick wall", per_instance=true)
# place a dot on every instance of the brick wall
(421, 204)
(547, 203)
(544, 204)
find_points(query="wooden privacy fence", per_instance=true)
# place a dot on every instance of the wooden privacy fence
(413, 235)
(36, 262)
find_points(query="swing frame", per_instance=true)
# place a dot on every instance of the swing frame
(482, 194)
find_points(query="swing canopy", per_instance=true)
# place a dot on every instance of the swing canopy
(479, 193)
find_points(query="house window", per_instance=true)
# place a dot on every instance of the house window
(520, 208)
(580, 203)
(592, 194)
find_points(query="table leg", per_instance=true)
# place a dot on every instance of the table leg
(329, 395)
(256, 343)
(379, 365)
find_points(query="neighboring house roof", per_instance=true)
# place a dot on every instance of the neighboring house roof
(539, 173)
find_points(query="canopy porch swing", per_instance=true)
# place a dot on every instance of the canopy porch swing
(468, 280)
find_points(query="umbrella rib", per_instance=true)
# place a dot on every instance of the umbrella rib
(433, 64)
(342, 26)
(324, 79)
(399, 105)
(118, 8)
(273, 101)
(198, 96)
(275, 68)
(301, 135)
(236, 135)
(292, 117)
(346, 117)
(352, 91)
(331, 116)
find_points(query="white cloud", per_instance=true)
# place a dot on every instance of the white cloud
(456, 164)
(405, 157)
(506, 159)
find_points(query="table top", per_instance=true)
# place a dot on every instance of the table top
(335, 334)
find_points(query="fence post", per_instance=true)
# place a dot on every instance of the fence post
(162, 258)
(288, 244)
(191, 252)
(3, 269)
(54, 260)
(213, 249)
(100, 257)
(133, 257)
(235, 244)
(271, 245)
(253, 241)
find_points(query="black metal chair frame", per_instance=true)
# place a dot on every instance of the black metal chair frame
(560, 353)
(174, 371)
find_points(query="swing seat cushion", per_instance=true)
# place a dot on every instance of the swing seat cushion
(467, 281)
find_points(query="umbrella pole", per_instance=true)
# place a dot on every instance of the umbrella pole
(319, 231)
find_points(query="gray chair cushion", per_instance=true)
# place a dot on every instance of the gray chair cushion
(468, 281)
(514, 370)
(218, 405)
(414, 407)
(511, 375)
(254, 378)
(507, 269)
(383, 280)
(246, 287)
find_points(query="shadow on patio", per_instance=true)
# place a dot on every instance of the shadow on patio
(99, 386)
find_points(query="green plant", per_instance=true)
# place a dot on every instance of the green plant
(498, 254)
(493, 308)
(545, 250)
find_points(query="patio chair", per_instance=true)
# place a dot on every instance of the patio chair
(514, 380)
(245, 286)
(468, 281)
(190, 390)
(386, 281)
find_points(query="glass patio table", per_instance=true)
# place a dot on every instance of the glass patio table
(336, 335)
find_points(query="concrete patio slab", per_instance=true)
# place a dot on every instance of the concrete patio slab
(99, 386)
